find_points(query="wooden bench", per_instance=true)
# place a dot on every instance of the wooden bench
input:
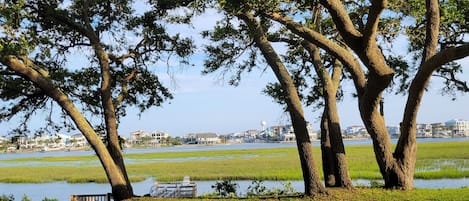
(92, 197)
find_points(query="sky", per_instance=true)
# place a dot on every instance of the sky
(206, 103)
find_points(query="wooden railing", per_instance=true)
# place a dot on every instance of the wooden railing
(174, 190)
(92, 197)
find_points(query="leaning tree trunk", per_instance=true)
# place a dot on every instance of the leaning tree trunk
(116, 177)
(313, 184)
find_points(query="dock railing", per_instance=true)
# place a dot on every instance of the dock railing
(174, 190)
(92, 197)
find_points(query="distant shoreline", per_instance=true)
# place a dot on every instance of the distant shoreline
(88, 148)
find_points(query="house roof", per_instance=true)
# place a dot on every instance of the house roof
(206, 135)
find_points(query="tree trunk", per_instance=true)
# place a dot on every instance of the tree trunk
(313, 184)
(335, 133)
(333, 136)
(376, 127)
(113, 171)
(110, 119)
(328, 166)
(406, 149)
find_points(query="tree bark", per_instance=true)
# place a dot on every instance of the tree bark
(113, 144)
(333, 140)
(313, 184)
(396, 168)
(328, 166)
(112, 170)
(120, 192)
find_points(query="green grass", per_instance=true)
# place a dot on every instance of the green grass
(374, 194)
(434, 161)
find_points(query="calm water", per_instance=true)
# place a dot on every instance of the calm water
(189, 148)
(63, 190)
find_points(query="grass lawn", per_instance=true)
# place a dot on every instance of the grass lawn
(434, 161)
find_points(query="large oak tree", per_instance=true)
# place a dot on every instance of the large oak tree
(117, 50)
(363, 29)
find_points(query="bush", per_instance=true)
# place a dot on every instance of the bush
(225, 188)
(7, 198)
(257, 188)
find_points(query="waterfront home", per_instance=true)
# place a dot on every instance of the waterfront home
(424, 130)
(440, 130)
(458, 127)
(201, 138)
(138, 137)
(158, 137)
(78, 140)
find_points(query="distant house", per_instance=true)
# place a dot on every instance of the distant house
(440, 130)
(287, 133)
(138, 137)
(78, 140)
(424, 130)
(202, 138)
(250, 135)
(356, 131)
(158, 137)
(458, 127)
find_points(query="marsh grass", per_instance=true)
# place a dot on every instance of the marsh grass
(434, 161)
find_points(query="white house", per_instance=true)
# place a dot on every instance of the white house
(136, 137)
(287, 133)
(458, 127)
(78, 140)
(424, 130)
(158, 137)
(202, 138)
(440, 130)
(356, 131)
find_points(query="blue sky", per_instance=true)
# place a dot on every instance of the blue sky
(208, 104)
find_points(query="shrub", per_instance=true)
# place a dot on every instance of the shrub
(7, 198)
(225, 188)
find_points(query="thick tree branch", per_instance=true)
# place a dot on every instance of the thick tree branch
(124, 91)
(371, 28)
(418, 86)
(443, 57)
(337, 72)
(343, 23)
(67, 105)
(321, 41)
(432, 29)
